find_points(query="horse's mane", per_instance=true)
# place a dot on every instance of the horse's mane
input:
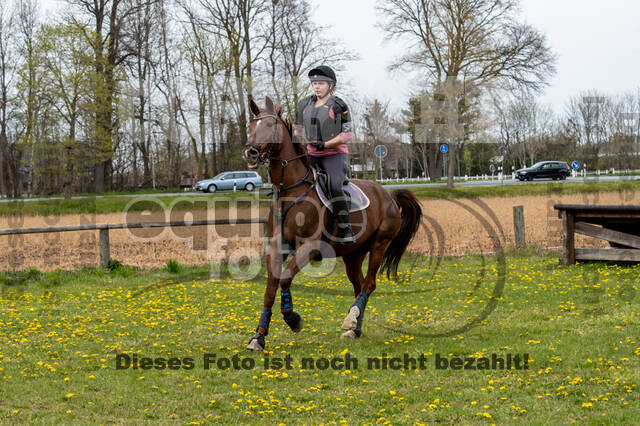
(298, 147)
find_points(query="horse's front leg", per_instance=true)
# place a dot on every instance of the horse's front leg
(274, 266)
(298, 261)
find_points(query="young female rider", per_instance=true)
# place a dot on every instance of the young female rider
(327, 125)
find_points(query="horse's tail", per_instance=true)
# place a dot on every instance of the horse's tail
(411, 213)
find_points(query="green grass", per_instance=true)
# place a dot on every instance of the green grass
(113, 204)
(578, 324)
(551, 188)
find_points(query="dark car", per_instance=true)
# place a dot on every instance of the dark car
(545, 170)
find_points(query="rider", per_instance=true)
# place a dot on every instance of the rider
(328, 128)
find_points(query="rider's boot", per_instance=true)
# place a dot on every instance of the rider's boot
(341, 211)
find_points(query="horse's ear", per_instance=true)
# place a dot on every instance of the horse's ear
(269, 104)
(255, 110)
(278, 109)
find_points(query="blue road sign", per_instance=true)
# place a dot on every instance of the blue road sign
(380, 151)
(444, 148)
(575, 165)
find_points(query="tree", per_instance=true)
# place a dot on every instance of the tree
(8, 62)
(27, 95)
(65, 62)
(142, 41)
(524, 126)
(377, 130)
(477, 42)
(109, 20)
(587, 120)
(294, 44)
(236, 21)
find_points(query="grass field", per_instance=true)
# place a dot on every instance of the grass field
(112, 202)
(60, 333)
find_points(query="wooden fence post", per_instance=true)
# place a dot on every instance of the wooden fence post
(265, 227)
(568, 238)
(105, 256)
(518, 226)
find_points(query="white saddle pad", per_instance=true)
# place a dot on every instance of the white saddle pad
(359, 201)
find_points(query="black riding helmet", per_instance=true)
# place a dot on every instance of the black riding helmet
(322, 73)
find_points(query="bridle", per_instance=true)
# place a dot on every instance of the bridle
(266, 157)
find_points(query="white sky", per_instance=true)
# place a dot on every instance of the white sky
(597, 43)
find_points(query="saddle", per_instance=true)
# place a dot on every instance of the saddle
(356, 198)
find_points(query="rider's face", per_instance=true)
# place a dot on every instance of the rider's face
(320, 88)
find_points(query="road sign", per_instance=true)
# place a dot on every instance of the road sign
(492, 168)
(575, 165)
(381, 151)
(502, 151)
(444, 148)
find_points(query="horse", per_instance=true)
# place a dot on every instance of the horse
(298, 225)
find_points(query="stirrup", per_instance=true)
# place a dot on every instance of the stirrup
(345, 234)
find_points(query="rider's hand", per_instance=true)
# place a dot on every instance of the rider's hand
(320, 145)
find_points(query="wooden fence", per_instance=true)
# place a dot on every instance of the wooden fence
(103, 228)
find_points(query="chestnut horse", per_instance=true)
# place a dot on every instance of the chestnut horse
(298, 225)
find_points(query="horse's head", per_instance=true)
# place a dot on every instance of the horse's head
(264, 133)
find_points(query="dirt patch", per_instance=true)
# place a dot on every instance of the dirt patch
(451, 227)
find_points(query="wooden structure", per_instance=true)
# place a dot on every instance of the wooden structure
(617, 224)
(518, 226)
(103, 228)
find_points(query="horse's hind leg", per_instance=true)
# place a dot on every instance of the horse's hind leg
(353, 321)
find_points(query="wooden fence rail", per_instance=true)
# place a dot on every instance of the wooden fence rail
(103, 241)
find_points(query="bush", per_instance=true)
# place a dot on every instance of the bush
(173, 266)
(114, 265)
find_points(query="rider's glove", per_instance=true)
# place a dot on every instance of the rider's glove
(320, 146)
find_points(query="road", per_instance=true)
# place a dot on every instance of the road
(399, 185)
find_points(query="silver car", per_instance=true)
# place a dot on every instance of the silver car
(242, 179)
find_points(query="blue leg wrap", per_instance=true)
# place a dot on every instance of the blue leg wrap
(286, 301)
(361, 303)
(265, 320)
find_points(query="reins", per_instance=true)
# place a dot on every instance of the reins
(267, 158)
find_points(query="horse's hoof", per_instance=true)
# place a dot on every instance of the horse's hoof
(256, 343)
(298, 327)
(349, 335)
(294, 321)
(351, 320)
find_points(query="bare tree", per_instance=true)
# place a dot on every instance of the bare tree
(27, 95)
(8, 62)
(524, 125)
(142, 42)
(294, 44)
(236, 21)
(587, 116)
(479, 42)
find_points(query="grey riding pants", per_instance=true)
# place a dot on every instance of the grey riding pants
(336, 167)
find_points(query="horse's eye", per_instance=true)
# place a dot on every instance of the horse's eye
(269, 124)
